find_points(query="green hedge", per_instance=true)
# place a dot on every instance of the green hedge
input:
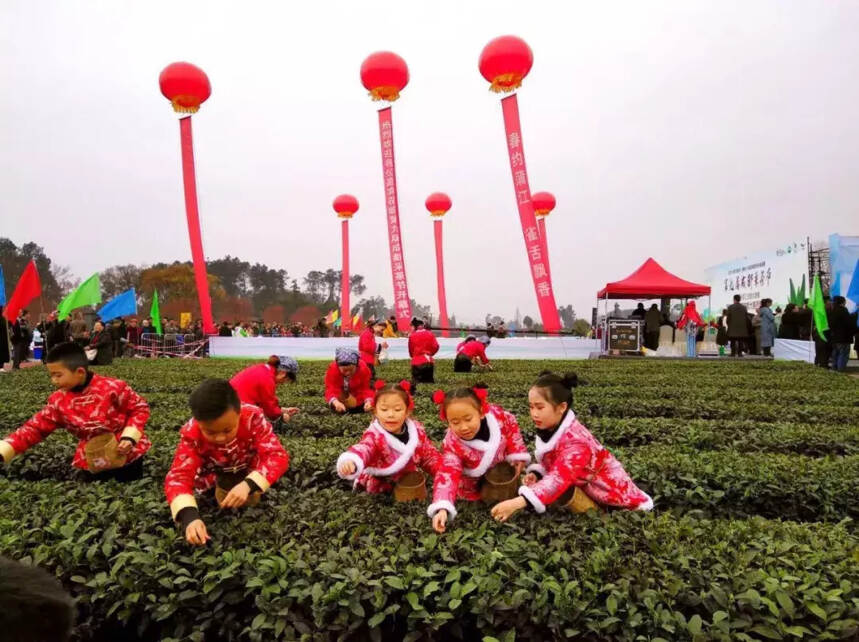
(753, 467)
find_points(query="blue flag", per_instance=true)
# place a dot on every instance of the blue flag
(2, 287)
(853, 290)
(119, 306)
(835, 288)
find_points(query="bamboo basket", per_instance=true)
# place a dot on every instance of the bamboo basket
(102, 454)
(576, 500)
(225, 483)
(412, 486)
(499, 484)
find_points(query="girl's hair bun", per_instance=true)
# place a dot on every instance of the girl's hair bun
(570, 380)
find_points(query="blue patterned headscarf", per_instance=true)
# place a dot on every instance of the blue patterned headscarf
(485, 340)
(346, 357)
(288, 364)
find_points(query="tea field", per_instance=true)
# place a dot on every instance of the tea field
(754, 468)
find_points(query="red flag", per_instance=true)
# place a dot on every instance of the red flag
(28, 288)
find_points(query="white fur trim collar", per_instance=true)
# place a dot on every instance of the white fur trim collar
(406, 450)
(489, 448)
(541, 447)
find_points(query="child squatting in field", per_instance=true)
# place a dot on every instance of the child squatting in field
(226, 444)
(393, 446)
(105, 415)
(480, 437)
(572, 467)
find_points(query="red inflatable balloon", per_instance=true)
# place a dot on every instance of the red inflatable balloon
(505, 61)
(438, 203)
(345, 205)
(543, 202)
(185, 85)
(384, 74)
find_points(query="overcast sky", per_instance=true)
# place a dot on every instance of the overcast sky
(693, 132)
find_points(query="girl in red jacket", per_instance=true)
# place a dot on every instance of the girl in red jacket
(224, 438)
(479, 437)
(368, 347)
(347, 383)
(569, 459)
(395, 444)
(257, 384)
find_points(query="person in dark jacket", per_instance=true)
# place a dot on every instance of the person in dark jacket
(22, 334)
(789, 323)
(804, 321)
(101, 342)
(738, 326)
(651, 327)
(116, 330)
(225, 330)
(842, 327)
(638, 313)
(4, 340)
(822, 341)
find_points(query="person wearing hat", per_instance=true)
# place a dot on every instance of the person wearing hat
(368, 347)
(422, 347)
(472, 353)
(347, 383)
(257, 384)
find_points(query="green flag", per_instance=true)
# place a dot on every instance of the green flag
(87, 293)
(155, 313)
(818, 307)
(792, 297)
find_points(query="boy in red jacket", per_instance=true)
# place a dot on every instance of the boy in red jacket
(225, 437)
(88, 406)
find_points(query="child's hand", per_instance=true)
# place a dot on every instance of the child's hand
(124, 447)
(196, 533)
(347, 468)
(237, 497)
(338, 406)
(519, 466)
(505, 510)
(439, 521)
(289, 413)
(530, 479)
(368, 405)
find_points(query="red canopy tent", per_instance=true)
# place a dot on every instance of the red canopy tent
(652, 281)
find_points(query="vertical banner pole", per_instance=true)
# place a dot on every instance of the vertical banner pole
(193, 214)
(345, 310)
(402, 302)
(533, 242)
(439, 270)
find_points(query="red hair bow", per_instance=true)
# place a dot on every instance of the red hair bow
(438, 399)
(405, 385)
(483, 395)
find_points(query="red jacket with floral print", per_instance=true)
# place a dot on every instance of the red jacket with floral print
(197, 463)
(422, 346)
(465, 462)
(105, 405)
(573, 457)
(381, 459)
(256, 386)
(359, 383)
(367, 346)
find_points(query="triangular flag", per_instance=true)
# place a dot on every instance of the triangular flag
(2, 287)
(28, 288)
(155, 313)
(87, 293)
(801, 294)
(818, 307)
(792, 298)
(119, 306)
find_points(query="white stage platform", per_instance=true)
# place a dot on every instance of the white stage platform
(313, 348)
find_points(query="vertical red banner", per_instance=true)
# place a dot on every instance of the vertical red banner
(533, 241)
(402, 303)
(439, 272)
(345, 315)
(541, 228)
(193, 214)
